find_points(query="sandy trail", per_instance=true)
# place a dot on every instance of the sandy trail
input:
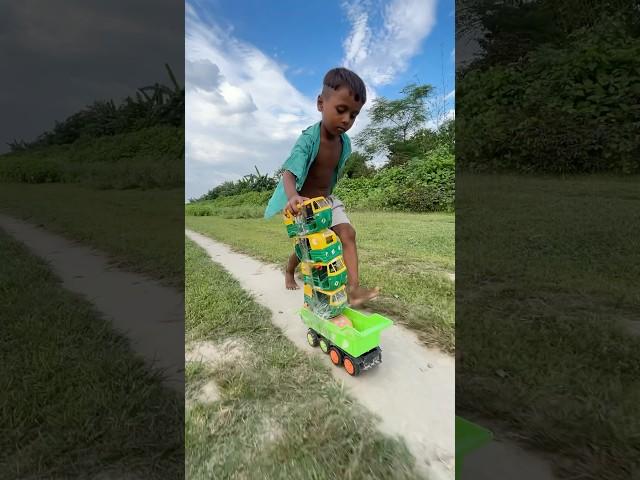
(149, 314)
(412, 390)
(505, 460)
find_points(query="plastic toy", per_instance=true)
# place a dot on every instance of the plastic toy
(350, 338)
(469, 437)
(357, 347)
(325, 275)
(314, 216)
(318, 247)
(330, 303)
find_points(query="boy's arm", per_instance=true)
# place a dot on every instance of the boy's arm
(289, 181)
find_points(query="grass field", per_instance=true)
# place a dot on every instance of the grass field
(74, 401)
(271, 412)
(141, 230)
(408, 255)
(547, 298)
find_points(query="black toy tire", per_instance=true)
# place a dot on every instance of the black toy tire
(324, 341)
(312, 338)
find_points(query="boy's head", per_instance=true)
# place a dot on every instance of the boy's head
(343, 95)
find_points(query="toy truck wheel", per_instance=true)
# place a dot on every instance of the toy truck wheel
(312, 338)
(324, 345)
(351, 367)
(335, 355)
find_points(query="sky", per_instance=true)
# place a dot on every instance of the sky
(253, 70)
(59, 57)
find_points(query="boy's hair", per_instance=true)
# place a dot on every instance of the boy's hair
(342, 77)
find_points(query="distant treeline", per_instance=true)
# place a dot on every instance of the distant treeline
(152, 105)
(137, 144)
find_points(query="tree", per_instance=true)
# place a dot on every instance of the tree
(393, 122)
(356, 166)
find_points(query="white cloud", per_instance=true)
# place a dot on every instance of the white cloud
(379, 55)
(450, 95)
(241, 110)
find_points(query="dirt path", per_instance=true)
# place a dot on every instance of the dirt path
(505, 460)
(412, 390)
(149, 314)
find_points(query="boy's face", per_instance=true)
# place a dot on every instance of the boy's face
(339, 109)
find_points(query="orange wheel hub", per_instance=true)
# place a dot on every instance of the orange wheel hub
(335, 358)
(348, 366)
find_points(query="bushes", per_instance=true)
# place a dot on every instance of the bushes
(37, 170)
(425, 184)
(245, 205)
(567, 109)
(148, 158)
(248, 183)
(152, 105)
(248, 198)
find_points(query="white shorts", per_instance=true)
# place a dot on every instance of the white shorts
(338, 215)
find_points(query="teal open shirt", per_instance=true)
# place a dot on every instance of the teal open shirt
(302, 156)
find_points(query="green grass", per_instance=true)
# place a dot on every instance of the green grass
(547, 288)
(141, 230)
(281, 414)
(74, 401)
(407, 255)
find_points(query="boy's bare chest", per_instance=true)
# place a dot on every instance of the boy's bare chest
(327, 159)
(322, 169)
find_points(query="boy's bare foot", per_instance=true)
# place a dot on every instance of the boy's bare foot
(290, 281)
(359, 295)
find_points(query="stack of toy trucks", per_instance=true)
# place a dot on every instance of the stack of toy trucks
(350, 338)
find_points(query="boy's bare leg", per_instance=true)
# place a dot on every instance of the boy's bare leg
(357, 295)
(289, 274)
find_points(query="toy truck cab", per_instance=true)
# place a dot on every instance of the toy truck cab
(327, 276)
(314, 216)
(318, 247)
(329, 302)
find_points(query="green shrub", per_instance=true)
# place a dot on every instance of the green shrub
(244, 205)
(561, 109)
(425, 184)
(149, 158)
(38, 170)
(247, 198)
(199, 210)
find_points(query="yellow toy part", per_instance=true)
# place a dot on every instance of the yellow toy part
(321, 240)
(309, 207)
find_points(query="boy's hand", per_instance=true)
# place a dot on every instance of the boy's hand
(294, 203)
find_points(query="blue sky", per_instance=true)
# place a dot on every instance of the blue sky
(254, 69)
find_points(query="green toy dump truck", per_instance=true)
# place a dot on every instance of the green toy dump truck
(356, 348)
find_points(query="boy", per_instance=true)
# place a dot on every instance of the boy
(314, 165)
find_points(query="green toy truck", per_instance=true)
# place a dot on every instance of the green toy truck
(356, 348)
